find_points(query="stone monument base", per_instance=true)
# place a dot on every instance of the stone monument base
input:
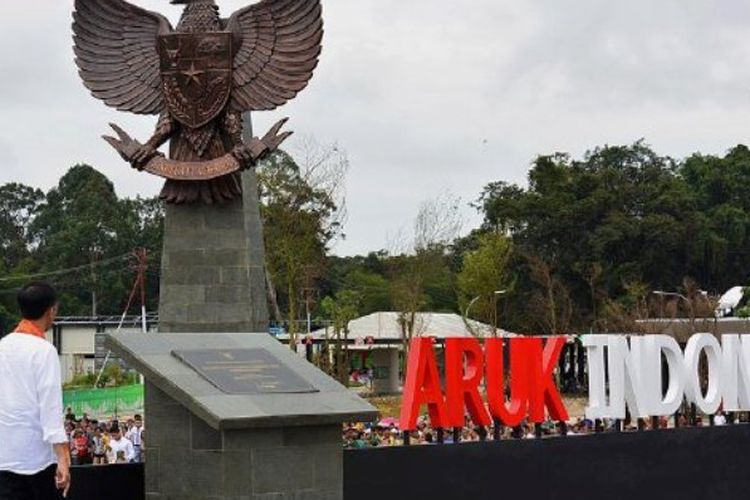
(186, 458)
(232, 416)
(212, 271)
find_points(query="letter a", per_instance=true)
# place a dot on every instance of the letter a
(422, 386)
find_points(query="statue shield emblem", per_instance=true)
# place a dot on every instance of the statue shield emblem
(196, 74)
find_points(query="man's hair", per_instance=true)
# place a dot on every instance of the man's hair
(35, 299)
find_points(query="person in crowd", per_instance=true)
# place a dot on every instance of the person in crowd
(120, 449)
(81, 451)
(98, 447)
(34, 450)
(135, 434)
(720, 418)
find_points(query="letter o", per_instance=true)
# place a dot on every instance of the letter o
(709, 403)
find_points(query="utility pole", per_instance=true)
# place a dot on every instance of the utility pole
(140, 267)
(141, 256)
(94, 302)
(495, 295)
(308, 291)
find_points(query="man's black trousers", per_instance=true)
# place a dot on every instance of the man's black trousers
(40, 486)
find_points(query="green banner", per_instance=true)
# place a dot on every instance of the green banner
(104, 403)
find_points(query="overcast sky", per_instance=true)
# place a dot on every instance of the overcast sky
(426, 96)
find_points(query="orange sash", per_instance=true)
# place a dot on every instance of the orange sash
(30, 328)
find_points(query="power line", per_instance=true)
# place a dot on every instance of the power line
(61, 272)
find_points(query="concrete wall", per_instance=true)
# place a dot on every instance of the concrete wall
(78, 340)
(81, 346)
(212, 272)
(185, 458)
(386, 363)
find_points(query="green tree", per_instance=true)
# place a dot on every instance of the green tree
(299, 212)
(341, 310)
(486, 271)
(83, 225)
(367, 275)
(18, 206)
(721, 241)
(423, 267)
(7, 321)
(622, 211)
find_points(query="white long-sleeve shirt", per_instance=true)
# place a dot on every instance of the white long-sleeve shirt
(134, 435)
(124, 445)
(31, 414)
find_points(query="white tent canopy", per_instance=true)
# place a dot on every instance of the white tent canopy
(385, 326)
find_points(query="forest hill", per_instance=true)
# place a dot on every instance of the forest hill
(579, 247)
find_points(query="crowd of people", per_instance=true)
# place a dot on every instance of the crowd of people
(98, 442)
(387, 432)
(364, 435)
(117, 441)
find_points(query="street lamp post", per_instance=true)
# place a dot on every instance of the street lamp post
(495, 295)
(468, 308)
(662, 293)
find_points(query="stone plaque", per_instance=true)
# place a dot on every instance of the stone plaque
(244, 371)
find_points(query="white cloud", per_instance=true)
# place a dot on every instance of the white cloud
(426, 96)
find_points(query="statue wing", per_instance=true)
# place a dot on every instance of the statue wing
(280, 42)
(116, 53)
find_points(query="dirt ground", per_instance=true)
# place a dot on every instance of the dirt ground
(390, 406)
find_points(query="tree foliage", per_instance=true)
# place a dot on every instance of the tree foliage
(580, 247)
(624, 215)
(300, 216)
(342, 309)
(486, 272)
(78, 236)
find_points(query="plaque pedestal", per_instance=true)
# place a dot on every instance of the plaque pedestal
(203, 442)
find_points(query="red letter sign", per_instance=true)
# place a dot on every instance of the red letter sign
(422, 386)
(462, 385)
(543, 389)
(519, 384)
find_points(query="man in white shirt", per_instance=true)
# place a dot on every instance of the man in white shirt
(720, 419)
(120, 449)
(134, 435)
(34, 452)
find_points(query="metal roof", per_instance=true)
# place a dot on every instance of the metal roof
(386, 326)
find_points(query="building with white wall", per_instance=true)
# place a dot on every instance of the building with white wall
(80, 341)
(379, 335)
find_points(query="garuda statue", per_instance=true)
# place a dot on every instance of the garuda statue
(199, 78)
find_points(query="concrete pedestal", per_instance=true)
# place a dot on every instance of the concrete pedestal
(212, 272)
(202, 442)
(387, 380)
(186, 458)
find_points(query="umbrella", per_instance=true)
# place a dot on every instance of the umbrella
(388, 422)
